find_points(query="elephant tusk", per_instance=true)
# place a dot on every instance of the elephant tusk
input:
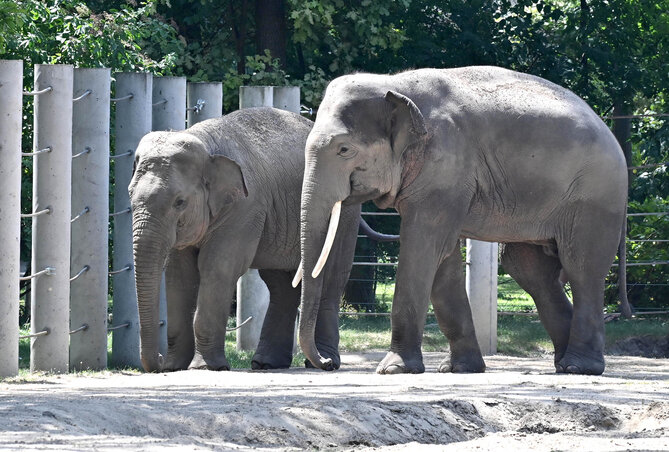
(329, 239)
(298, 275)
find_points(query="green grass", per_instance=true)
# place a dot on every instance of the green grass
(517, 335)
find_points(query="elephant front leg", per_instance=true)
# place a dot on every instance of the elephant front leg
(182, 280)
(422, 246)
(454, 315)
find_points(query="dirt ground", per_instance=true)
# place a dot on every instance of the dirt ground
(518, 404)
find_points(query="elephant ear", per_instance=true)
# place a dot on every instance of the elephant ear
(225, 183)
(408, 134)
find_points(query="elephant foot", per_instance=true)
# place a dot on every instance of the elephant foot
(577, 363)
(267, 362)
(326, 352)
(472, 365)
(393, 363)
(173, 364)
(217, 362)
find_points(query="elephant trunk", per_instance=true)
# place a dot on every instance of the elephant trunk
(316, 211)
(149, 251)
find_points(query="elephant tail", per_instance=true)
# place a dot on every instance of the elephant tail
(367, 230)
(625, 306)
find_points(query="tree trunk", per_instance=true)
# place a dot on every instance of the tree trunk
(271, 29)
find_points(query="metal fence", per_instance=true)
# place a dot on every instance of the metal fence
(70, 213)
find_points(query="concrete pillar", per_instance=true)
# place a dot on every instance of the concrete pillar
(169, 103)
(11, 107)
(133, 121)
(256, 96)
(252, 293)
(51, 232)
(481, 276)
(90, 230)
(204, 101)
(169, 113)
(287, 98)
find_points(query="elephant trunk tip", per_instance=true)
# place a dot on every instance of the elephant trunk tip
(314, 356)
(153, 365)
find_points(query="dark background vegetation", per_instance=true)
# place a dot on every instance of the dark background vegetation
(613, 53)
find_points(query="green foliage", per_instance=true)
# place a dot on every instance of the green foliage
(68, 32)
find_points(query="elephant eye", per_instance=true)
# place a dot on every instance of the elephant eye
(180, 203)
(347, 152)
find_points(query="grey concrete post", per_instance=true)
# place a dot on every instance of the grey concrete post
(252, 293)
(256, 96)
(481, 277)
(169, 113)
(287, 98)
(204, 101)
(90, 214)
(11, 105)
(133, 121)
(51, 232)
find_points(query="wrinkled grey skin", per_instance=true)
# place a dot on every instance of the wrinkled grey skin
(207, 204)
(479, 152)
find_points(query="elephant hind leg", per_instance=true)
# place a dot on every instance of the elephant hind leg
(454, 315)
(275, 348)
(586, 258)
(538, 273)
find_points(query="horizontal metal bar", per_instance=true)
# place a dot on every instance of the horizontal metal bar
(80, 214)
(641, 264)
(121, 212)
(44, 332)
(41, 151)
(650, 165)
(380, 213)
(124, 269)
(650, 115)
(125, 154)
(160, 102)
(119, 99)
(81, 272)
(650, 240)
(46, 210)
(37, 93)
(647, 214)
(85, 151)
(49, 271)
(375, 264)
(86, 93)
(83, 327)
(123, 325)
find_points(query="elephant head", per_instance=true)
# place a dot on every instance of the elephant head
(366, 144)
(178, 188)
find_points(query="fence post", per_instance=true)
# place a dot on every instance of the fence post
(169, 113)
(51, 232)
(133, 121)
(481, 276)
(11, 107)
(204, 101)
(90, 218)
(252, 293)
(286, 98)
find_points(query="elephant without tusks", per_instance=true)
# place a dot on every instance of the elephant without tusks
(478, 152)
(207, 204)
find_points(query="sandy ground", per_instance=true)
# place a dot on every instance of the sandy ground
(518, 404)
